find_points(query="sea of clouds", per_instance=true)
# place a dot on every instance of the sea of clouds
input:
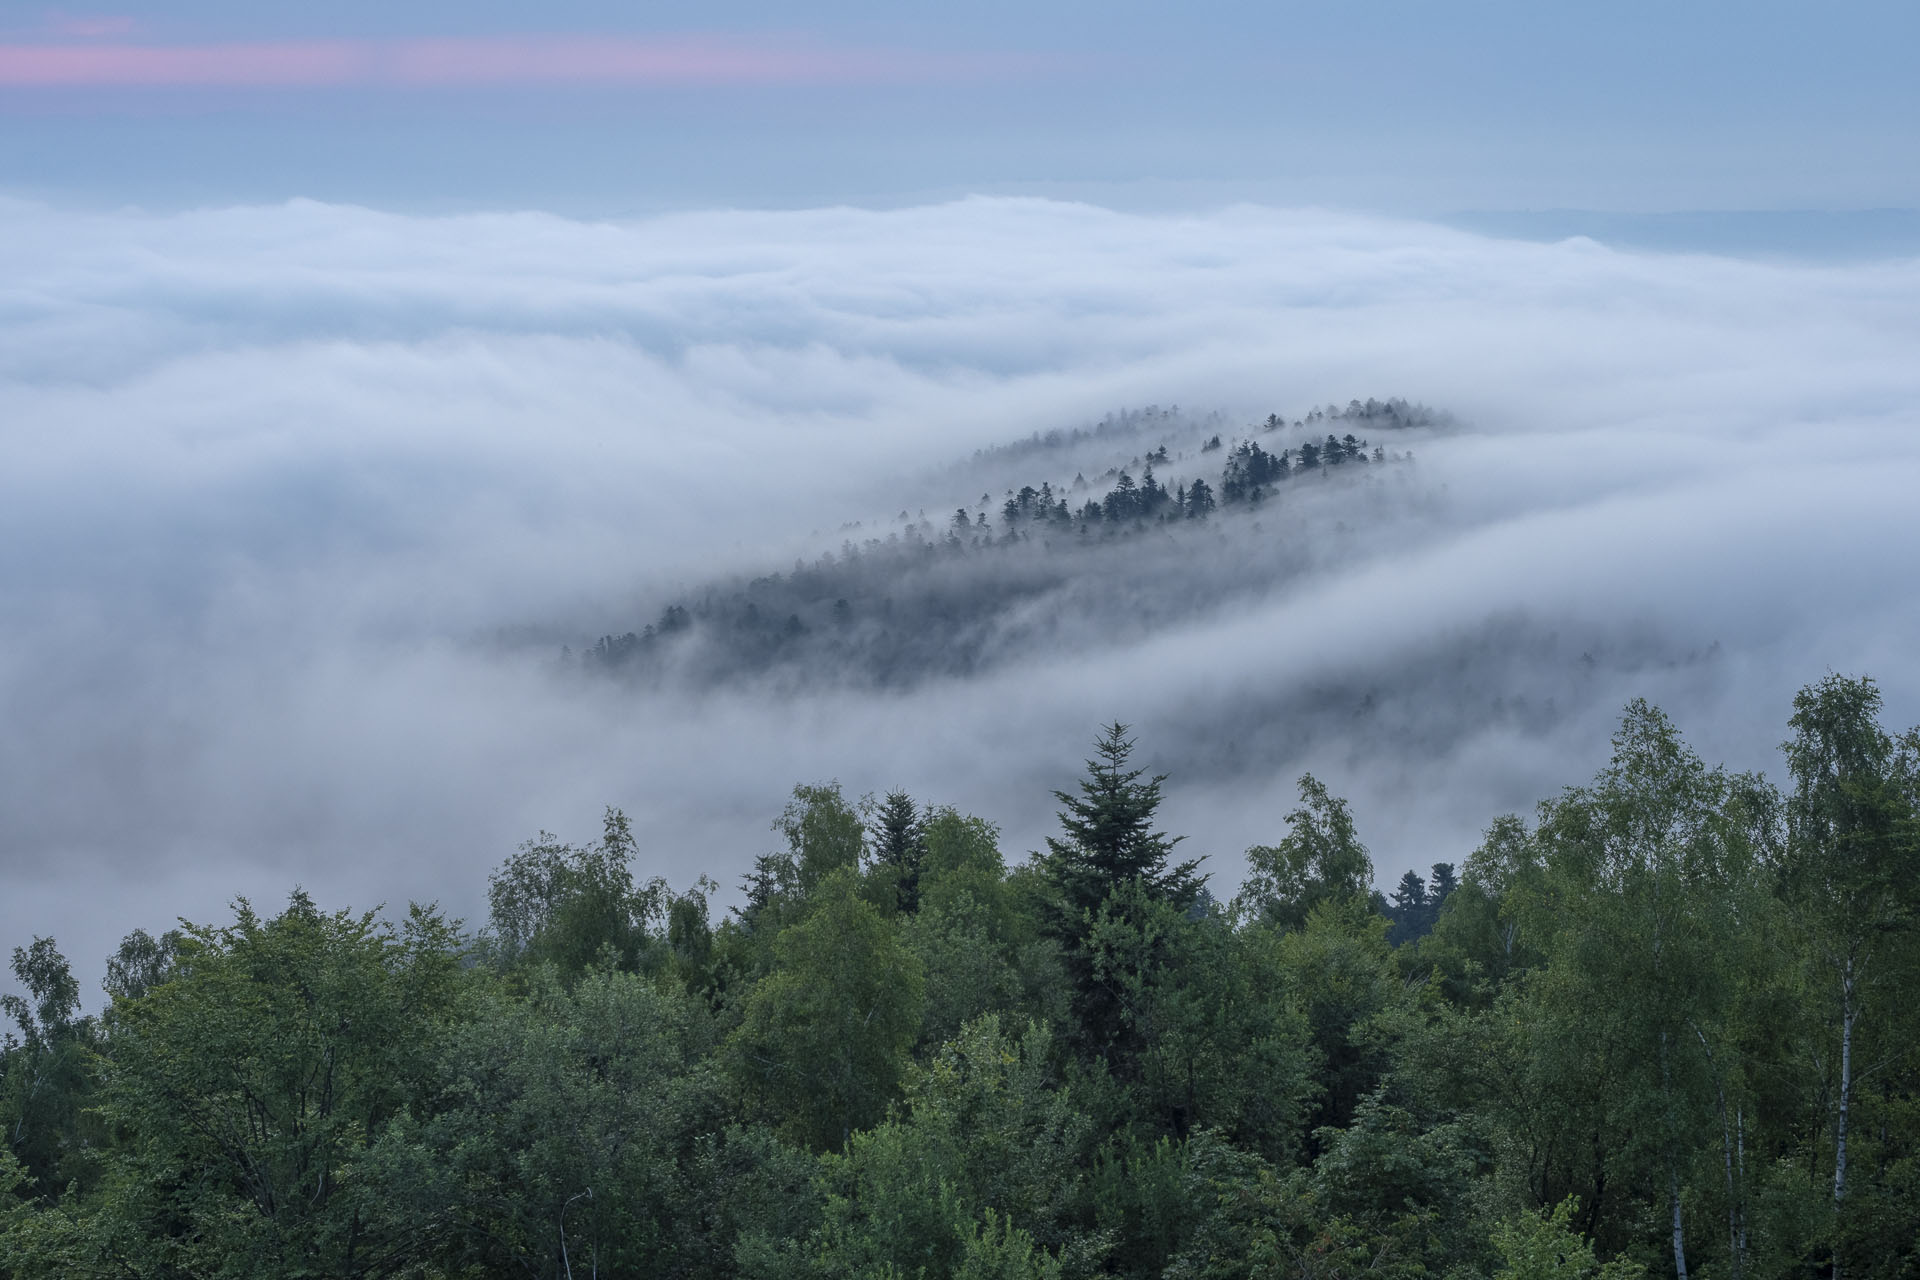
(296, 500)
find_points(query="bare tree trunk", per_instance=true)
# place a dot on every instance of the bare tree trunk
(1846, 1097)
(1740, 1157)
(1673, 1170)
(1734, 1234)
(1679, 1234)
(1846, 1084)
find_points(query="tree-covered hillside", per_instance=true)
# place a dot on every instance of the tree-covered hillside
(1664, 1026)
(1176, 521)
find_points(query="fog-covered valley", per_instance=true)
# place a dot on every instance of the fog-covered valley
(304, 505)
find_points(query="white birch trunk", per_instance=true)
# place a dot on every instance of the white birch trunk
(1673, 1169)
(1679, 1234)
(1846, 1098)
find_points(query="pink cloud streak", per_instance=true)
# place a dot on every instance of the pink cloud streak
(454, 63)
(96, 27)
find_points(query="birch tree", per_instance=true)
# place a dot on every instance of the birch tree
(1637, 991)
(1849, 874)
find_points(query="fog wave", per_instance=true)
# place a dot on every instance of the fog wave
(300, 503)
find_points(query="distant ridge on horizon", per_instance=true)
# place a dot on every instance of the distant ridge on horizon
(1830, 235)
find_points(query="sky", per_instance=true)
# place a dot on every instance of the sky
(597, 109)
(350, 362)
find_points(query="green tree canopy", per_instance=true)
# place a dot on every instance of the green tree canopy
(823, 1038)
(1320, 859)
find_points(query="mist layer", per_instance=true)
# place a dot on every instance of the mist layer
(301, 501)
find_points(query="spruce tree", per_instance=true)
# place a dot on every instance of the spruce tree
(1109, 861)
(899, 846)
(1108, 836)
(1199, 500)
(1409, 909)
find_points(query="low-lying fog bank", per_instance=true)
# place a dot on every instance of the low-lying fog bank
(301, 502)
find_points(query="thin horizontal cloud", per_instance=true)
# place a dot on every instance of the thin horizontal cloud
(478, 62)
(66, 26)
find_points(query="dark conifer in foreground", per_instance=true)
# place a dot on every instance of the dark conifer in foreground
(1108, 838)
(1106, 871)
(899, 847)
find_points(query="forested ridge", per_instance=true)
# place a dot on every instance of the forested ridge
(1665, 1025)
(951, 593)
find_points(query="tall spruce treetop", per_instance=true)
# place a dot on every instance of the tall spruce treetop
(1108, 837)
(1408, 909)
(898, 840)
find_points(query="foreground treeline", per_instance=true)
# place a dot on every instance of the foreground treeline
(1668, 1025)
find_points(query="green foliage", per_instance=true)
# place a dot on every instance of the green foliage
(1385, 1170)
(961, 853)
(247, 1090)
(142, 963)
(1477, 943)
(961, 946)
(1627, 1013)
(47, 1074)
(563, 1111)
(572, 907)
(1109, 874)
(1341, 970)
(824, 833)
(1226, 1044)
(1108, 837)
(1245, 1218)
(690, 948)
(970, 934)
(1851, 880)
(823, 1039)
(750, 1202)
(1546, 1247)
(899, 848)
(982, 1134)
(995, 1249)
(1319, 860)
(1666, 1023)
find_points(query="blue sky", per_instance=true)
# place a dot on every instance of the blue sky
(1387, 105)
